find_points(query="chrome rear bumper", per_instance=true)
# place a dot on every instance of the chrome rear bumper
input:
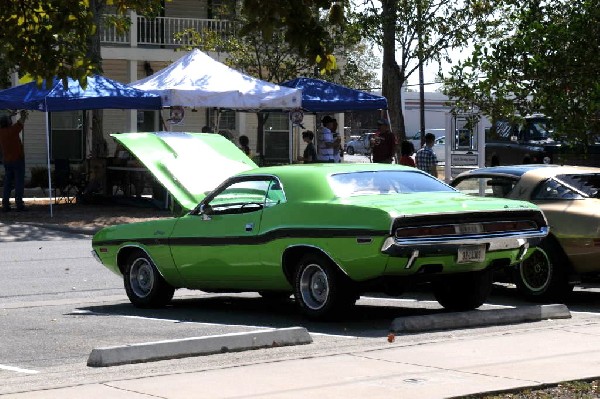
(406, 247)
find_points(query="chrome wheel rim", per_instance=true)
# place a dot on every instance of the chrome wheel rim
(314, 286)
(141, 277)
(536, 271)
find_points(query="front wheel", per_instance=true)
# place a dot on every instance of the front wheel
(463, 291)
(543, 276)
(144, 286)
(350, 150)
(321, 290)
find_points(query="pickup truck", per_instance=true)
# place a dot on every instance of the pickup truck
(533, 142)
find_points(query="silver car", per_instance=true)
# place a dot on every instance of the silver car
(362, 145)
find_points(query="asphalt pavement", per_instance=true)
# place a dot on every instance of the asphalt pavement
(468, 365)
(461, 365)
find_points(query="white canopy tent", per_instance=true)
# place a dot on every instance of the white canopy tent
(197, 80)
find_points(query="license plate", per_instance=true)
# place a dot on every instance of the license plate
(471, 253)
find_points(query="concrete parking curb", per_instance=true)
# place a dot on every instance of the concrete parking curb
(479, 318)
(197, 346)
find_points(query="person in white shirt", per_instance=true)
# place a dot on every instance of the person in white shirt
(337, 142)
(325, 142)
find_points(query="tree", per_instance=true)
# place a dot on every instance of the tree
(543, 56)
(408, 37)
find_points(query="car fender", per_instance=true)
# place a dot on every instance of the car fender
(292, 254)
(161, 258)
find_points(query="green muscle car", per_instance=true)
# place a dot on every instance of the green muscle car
(324, 232)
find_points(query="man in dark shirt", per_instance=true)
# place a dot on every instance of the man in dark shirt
(13, 158)
(383, 143)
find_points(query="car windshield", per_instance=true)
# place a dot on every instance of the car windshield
(384, 182)
(539, 128)
(588, 184)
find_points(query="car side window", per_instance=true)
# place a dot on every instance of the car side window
(552, 189)
(498, 187)
(241, 197)
(275, 194)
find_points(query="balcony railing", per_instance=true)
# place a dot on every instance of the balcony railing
(161, 31)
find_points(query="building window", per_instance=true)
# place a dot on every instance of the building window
(147, 121)
(226, 119)
(67, 135)
(277, 139)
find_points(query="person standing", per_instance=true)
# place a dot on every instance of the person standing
(13, 157)
(425, 158)
(384, 143)
(407, 149)
(337, 142)
(325, 140)
(310, 154)
(245, 144)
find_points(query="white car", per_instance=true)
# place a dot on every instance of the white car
(362, 145)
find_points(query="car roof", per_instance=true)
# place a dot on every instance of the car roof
(305, 181)
(540, 170)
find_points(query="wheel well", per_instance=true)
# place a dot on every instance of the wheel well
(124, 254)
(556, 245)
(292, 256)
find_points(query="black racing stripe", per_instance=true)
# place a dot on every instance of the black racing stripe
(252, 240)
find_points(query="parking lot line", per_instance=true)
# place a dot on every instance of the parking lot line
(17, 369)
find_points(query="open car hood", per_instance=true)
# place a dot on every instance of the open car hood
(188, 165)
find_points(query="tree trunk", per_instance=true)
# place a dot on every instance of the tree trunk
(392, 78)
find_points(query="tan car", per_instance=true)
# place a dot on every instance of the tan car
(569, 196)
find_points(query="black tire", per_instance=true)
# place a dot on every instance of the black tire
(322, 292)
(544, 276)
(350, 150)
(144, 285)
(463, 291)
(275, 295)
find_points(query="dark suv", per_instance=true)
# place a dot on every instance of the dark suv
(529, 142)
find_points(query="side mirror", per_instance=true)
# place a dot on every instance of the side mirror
(206, 210)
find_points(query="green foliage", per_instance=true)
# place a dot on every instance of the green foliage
(414, 31)
(300, 19)
(55, 38)
(543, 57)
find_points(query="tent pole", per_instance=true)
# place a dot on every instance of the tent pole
(290, 139)
(48, 159)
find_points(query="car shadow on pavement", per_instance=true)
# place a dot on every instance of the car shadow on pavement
(585, 298)
(363, 320)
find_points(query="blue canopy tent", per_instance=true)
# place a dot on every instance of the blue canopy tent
(99, 93)
(321, 96)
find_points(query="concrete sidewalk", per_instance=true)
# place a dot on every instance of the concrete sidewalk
(482, 363)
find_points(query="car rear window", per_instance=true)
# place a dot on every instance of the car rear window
(384, 182)
(588, 183)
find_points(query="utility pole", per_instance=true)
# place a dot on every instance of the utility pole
(421, 79)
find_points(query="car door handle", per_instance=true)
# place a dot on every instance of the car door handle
(249, 226)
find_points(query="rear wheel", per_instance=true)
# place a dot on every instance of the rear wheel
(543, 276)
(350, 150)
(320, 289)
(145, 287)
(464, 291)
